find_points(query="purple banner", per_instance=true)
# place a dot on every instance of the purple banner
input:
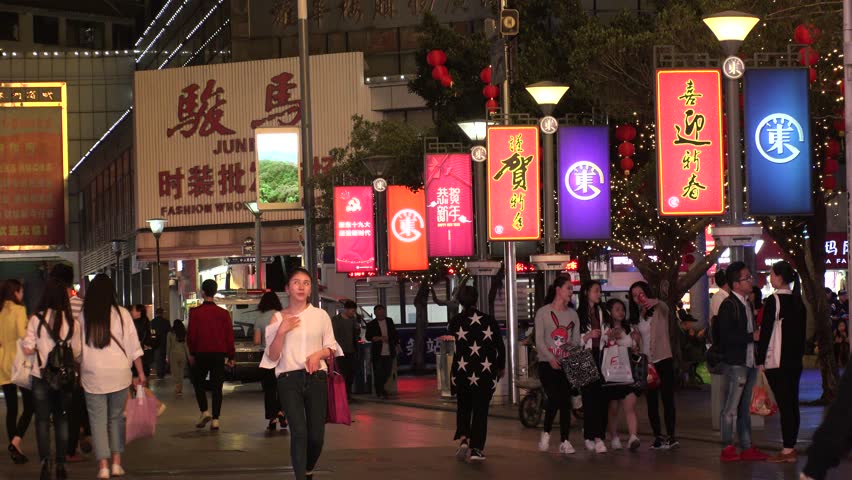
(449, 205)
(583, 182)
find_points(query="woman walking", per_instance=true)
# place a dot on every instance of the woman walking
(298, 342)
(622, 398)
(110, 347)
(556, 327)
(651, 318)
(269, 305)
(54, 320)
(13, 327)
(595, 402)
(784, 369)
(178, 354)
(478, 365)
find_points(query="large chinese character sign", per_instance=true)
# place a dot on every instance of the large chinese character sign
(689, 142)
(514, 199)
(33, 165)
(778, 141)
(406, 229)
(583, 183)
(449, 204)
(354, 249)
(278, 160)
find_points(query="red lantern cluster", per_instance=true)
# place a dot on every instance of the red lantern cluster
(626, 134)
(436, 59)
(808, 56)
(489, 91)
(830, 167)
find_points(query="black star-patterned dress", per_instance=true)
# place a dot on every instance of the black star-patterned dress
(480, 352)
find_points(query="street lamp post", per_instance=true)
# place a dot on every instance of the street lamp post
(257, 212)
(157, 226)
(307, 145)
(378, 165)
(116, 250)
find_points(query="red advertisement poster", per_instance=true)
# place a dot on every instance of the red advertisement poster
(406, 229)
(689, 142)
(449, 204)
(514, 205)
(354, 239)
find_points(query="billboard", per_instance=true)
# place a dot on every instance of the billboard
(354, 239)
(278, 168)
(449, 204)
(778, 141)
(33, 165)
(583, 183)
(407, 246)
(514, 197)
(690, 177)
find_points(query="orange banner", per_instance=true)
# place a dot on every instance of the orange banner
(406, 229)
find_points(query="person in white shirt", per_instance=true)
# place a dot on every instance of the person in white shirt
(110, 346)
(721, 279)
(299, 339)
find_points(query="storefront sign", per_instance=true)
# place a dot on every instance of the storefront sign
(583, 182)
(406, 229)
(514, 199)
(354, 239)
(279, 168)
(247, 260)
(449, 205)
(689, 142)
(196, 150)
(33, 165)
(778, 141)
(836, 250)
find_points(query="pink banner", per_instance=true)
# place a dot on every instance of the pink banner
(449, 205)
(354, 242)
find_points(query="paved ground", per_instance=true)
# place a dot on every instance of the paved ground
(390, 441)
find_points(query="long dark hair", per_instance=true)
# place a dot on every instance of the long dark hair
(635, 310)
(625, 323)
(179, 330)
(55, 297)
(269, 301)
(584, 310)
(8, 289)
(560, 281)
(789, 275)
(97, 311)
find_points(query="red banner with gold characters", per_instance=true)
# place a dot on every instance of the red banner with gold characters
(514, 205)
(689, 142)
(406, 229)
(354, 242)
(33, 165)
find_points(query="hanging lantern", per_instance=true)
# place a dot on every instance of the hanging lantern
(447, 81)
(688, 259)
(490, 91)
(812, 75)
(625, 133)
(808, 57)
(830, 167)
(802, 35)
(485, 75)
(440, 72)
(626, 149)
(829, 182)
(436, 57)
(832, 148)
(491, 105)
(627, 165)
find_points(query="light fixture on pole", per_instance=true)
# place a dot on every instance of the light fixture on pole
(157, 226)
(378, 165)
(257, 212)
(547, 94)
(476, 130)
(116, 250)
(731, 28)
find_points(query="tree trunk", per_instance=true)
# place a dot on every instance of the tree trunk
(818, 310)
(421, 307)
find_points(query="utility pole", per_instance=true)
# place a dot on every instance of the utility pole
(307, 149)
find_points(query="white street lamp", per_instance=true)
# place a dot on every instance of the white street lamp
(157, 226)
(476, 130)
(731, 28)
(547, 94)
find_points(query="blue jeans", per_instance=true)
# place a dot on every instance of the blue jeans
(106, 415)
(50, 402)
(736, 391)
(305, 399)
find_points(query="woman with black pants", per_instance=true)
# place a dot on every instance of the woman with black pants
(595, 400)
(13, 327)
(651, 318)
(784, 369)
(268, 306)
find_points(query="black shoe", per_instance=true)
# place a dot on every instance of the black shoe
(61, 474)
(476, 455)
(17, 457)
(45, 470)
(273, 426)
(671, 443)
(659, 444)
(86, 444)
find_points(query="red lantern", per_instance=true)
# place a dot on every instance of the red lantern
(812, 75)
(436, 57)
(802, 35)
(440, 72)
(688, 259)
(485, 75)
(829, 182)
(627, 165)
(808, 57)
(491, 105)
(832, 149)
(625, 133)
(447, 81)
(831, 166)
(490, 91)
(626, 149)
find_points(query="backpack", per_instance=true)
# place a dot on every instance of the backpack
(715, 356)
(60, 370)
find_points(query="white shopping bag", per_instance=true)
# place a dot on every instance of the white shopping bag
(616, 365)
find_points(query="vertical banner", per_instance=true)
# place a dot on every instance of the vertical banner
(778, 141)
(354, 239)
(406, 229)
(690, 165)
(514, 197)
(449, 204)
(583, 182)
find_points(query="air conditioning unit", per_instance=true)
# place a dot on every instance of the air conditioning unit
(485, 268)
(550, 261)
(384, 281)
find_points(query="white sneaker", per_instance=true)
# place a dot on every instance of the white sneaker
(103, 473)
(599, 446)
(590, 445)
(117, 471)
(566, 448)
(616, 444)
(544, 442)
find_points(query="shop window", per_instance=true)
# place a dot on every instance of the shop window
(85, 34)
(45, 30)
(9, 26)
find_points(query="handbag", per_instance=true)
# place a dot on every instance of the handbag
(616, 365)
(653, 377)
(141, 412)
(338, 404)
(22, 367)
(639, 367)
(773, 351)
(762, 400)
(579, 367)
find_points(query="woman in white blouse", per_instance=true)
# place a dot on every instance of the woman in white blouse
(110, 346)
(299, 339)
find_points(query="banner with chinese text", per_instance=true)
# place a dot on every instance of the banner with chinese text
(406, 229)
(354, 239)
(583, 183)
(689, 142)
(33, 165)
(514, 197)
(449, 204)
(778, 141)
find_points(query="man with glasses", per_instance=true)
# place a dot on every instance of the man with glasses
(738, 335)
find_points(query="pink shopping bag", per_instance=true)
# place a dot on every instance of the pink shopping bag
(141, 413)
(338, 404)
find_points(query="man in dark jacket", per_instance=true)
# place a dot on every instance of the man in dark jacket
(160, 327)
(382, 333)
(738, 334)
(347, 330)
